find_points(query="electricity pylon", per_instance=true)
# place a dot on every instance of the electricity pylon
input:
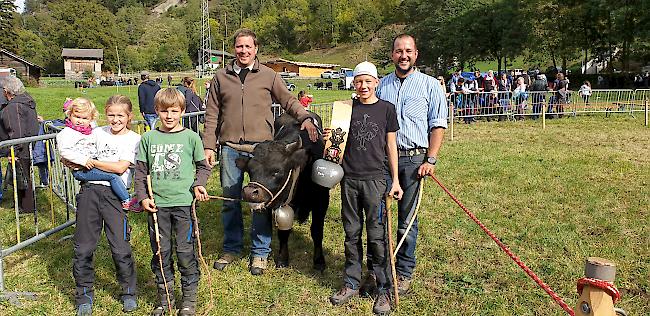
(205, 52)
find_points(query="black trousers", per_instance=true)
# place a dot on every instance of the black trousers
(175, 220)
(24, 191)
(358, 196)
(98, 208)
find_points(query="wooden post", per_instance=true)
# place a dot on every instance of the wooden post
(594, 301)
(645, 110)
(544, 115)
(451, 107)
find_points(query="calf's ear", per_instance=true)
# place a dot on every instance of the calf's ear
(242, 163)
(298, 158)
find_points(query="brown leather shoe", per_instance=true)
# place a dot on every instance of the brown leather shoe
(225, 259)
(403, 284)
(382, 304)
(343, 295)
(258, 265)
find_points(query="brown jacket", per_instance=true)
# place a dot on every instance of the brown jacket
(241, 113)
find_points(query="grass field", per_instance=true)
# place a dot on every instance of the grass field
(579, 188)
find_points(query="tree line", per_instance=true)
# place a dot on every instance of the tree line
(451, 33)
(555, 32)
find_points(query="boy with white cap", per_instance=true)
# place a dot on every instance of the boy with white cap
(372, 138)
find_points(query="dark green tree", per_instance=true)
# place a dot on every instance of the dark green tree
(31, 47)
(86, 24)
(7, 28)
(132, 21)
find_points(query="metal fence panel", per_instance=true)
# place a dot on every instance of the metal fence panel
(55, 184)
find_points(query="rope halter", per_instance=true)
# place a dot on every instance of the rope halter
(294, 172)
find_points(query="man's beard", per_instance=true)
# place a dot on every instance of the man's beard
(402, 71)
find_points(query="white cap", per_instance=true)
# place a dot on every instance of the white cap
(365, 68)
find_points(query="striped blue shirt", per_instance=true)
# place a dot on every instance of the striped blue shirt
(419, 103)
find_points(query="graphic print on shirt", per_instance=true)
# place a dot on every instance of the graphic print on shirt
(86, 147)
(166, 161)
(107, 152)
(364, 131)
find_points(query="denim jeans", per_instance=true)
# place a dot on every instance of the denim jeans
(43, 174)
(410, 183)
(94, 174)
(232, 179)
(150, 119)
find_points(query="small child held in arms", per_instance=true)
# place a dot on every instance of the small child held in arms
(77, 144)
(174, 159)
(372, 138)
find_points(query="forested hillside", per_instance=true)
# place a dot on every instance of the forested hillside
(450, 32)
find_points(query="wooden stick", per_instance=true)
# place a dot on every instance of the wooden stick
(413, 217)
(157, 231)
(197, 232)
(389, 223)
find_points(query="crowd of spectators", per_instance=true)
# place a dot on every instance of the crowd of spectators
(494, 96)
(642, 80)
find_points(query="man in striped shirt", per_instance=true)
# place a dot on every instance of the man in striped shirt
(422, 112)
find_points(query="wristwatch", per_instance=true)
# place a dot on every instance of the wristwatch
(432, 160)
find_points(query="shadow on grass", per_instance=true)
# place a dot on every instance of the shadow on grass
(301, 246)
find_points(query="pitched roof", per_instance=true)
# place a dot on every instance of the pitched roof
(20, 58)
(302, 64)
(83, 53)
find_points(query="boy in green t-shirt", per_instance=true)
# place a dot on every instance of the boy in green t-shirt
(173, 156)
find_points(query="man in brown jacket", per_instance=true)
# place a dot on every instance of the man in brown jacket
(239, 111)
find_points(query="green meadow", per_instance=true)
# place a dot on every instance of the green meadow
(555, 196)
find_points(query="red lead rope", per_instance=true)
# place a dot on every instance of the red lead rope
(607, 287)
(507, 250)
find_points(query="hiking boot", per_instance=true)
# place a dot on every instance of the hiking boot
(382, 304)
(225, 259)
(85, 309)
(188, 305)
(403, 284)
(343, 295)
(163, 308)
(129, 305)
(368, 285)
(187, 311)
(258, 265)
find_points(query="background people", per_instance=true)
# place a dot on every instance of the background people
(146, 92)
(305, 99)
(18, 119)
(585, 91)
(193, 103)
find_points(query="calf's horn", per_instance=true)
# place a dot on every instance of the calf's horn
(291, 147)
(247, 148)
